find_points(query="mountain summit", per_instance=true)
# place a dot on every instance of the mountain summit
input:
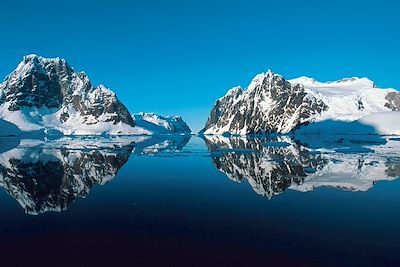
(272, 104)
(269, 104)
(47, 93)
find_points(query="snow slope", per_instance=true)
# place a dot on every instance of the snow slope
(348, 99)
(157, 124)
(355, 100)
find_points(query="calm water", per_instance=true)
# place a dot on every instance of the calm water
(188, 201)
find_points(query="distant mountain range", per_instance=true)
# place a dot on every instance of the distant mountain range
(271, 104)
(46, 95)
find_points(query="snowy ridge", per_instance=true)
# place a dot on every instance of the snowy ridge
(348, 99)
(157, 124)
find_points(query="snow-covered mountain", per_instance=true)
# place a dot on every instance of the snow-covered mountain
(157, 124)
(272, 104)
(269, 104)
(47, 93)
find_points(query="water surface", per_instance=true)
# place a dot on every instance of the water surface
(193, 201)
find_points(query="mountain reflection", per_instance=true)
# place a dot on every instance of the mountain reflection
(42, 178)
(48, 175)
(272, 165)
(162, 143)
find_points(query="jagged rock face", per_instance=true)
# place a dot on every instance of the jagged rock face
(52, 179)
(270, 104)
(37, 83)
(99, 102)
(393, 101)
(52, 86)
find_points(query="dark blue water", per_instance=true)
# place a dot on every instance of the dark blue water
(189, 202)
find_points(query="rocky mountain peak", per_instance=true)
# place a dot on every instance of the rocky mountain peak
(39, 81)
(269, 104)
(265, 80)
(51, 87)
(273, 104)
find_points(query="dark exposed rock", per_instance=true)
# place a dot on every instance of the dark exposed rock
(270, 104)
(393, 99)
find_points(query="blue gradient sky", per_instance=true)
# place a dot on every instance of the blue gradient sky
(177, 57)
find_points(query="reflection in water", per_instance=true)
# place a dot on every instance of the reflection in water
(42, 178)
(269, 169)
(273, 165)
(49, 175)
(162, 143)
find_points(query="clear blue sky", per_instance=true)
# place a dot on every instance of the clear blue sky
(177, 57)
